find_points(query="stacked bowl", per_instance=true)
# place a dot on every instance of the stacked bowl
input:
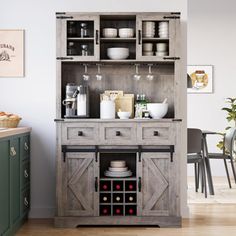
(161, 49)
(163, 29)
(148, 29)
(147, 49)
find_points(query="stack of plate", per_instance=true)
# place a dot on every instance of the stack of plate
(163, 29)
(161, 49)
(147, 49)
(148, 29)
(118, 169)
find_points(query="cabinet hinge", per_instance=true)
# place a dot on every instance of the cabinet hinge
(65, 17)
(177, 120)
(176, 13)
(171, 17)
(60, 13)
(171, 58)
(65, 58)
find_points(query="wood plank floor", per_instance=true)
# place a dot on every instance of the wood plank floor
(205, 220)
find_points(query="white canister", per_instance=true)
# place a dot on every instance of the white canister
(107, 109)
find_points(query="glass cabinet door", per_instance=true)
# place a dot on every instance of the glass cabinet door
(79, 37)
(156, 37)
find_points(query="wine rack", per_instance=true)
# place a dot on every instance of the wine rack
(118, 197)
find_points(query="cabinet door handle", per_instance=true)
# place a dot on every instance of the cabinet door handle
(26, 174)
(80, 133)
(96, 184)
(26, 202)
(118, 133)
(26, 147)
(139, 36)
(97, 33)
(12, 151)
(155, 133)
(139, 184)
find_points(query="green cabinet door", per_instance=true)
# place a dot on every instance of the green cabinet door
(14, 155)
(4, 186)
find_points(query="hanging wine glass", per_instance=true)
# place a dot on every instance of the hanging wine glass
(150, 75)
(86, 75)
(137, 76)
(99, 75)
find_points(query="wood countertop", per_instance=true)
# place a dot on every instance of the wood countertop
(13, 131)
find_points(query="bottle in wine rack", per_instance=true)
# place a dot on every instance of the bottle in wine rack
(117, 186)
(130, 210)
(105, 210)
(130, 197)
(130, 185)
(117, 210)
(105, 186)
(105, 197)
(118, 198)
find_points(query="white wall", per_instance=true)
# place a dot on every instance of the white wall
(211, 41)
(33, 97)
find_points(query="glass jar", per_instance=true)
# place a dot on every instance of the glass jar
(83, 30)
(71, 49)
(71, 29)
(84, 50)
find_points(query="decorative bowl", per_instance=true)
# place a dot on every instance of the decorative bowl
(157, 110)
(118, 53)
(124, 114)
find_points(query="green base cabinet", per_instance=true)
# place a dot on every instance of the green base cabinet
(14, 182)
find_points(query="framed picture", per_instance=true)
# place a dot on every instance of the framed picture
(200, 79)
(11, 53)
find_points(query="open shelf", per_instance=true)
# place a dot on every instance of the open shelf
(118, 40)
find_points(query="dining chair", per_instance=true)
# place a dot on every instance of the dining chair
(195, 155)
(228, 153)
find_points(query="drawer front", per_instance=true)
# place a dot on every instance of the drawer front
(118, 134)
(155, 134)
(80, 134)
(25, 201)
(25, 174)
(25, 147)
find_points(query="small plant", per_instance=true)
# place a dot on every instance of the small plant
(231, 117)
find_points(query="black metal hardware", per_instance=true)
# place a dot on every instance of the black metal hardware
(118, 133)
(171, 58)
(80, 133)
(172, 149)
(64, 153)
(96, 184)
(65, 17)
(58, 120)
(139, 184)
(96, 153)
(175, 13)
(177, 120)
(139, 153)
(155, 133)
(65, 58)
(171, 17)
(60, 13)
(139, 36)
(96, 36)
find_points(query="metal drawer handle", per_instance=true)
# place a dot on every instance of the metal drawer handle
(139, 184)
(26, 147)
(80, 133)
(26, 201)
(155, 133)
(118, 133)
(26, 174)
(12, 151)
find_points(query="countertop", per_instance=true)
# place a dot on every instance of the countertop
(13, 131)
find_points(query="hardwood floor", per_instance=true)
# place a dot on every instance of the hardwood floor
(205, 220)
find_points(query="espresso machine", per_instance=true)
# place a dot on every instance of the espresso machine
(76, 101)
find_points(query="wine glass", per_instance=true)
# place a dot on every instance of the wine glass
(150, 75)
(99, 75)
(86, 75)
(137, 76)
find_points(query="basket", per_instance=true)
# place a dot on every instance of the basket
(9, 123)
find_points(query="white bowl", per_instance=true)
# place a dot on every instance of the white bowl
(161, 47)
(126, 33)
(124, 114)
(118, 53)
(109, 32)
(118, 164)
(157, 110)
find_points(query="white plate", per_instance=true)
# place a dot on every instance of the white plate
(118, 174)
(118, 169)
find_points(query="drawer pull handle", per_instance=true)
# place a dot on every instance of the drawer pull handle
(26, 146)
(155, 133)
(139, 184)
(12, 151)
(118, 133)
(26, 174)
(80, 133)
(26, 202)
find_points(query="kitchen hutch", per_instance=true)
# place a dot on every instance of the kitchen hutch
(150, 147)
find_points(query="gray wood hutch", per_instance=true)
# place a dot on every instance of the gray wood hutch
(150, 147)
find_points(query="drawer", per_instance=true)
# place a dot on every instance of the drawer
(79, 134)
(25, 174)
(25, 147)
(118, 134)
(25, 201)
(155, 134)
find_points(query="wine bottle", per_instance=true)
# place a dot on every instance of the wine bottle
(118, 211)
(131, 187)
(131, 199)
(131, 211)
(118, 187)
(105, 211)
(117, 198)
(104, 199)
(104, 187)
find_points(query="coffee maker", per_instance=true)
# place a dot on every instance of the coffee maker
(76, 101)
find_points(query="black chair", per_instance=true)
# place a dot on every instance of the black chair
(195, 156)
(229, 151)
